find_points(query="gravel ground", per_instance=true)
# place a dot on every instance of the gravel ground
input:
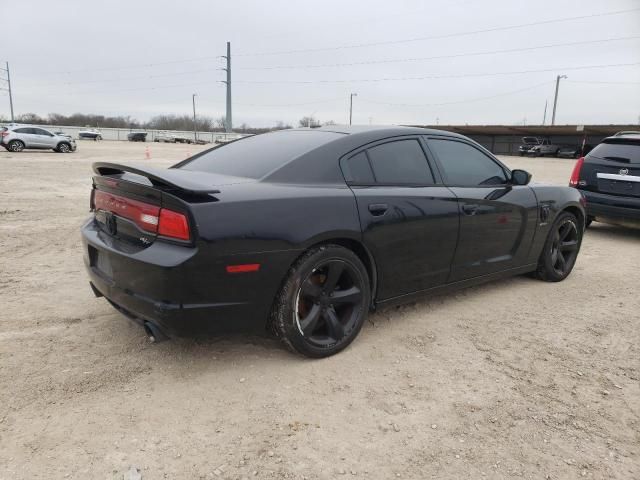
(517, 378)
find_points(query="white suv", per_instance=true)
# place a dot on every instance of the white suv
(16, 138)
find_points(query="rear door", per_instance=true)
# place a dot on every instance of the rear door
(497, 219)
(613, 167)
(409, 219)
(25, 134)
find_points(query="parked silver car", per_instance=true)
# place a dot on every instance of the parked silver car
(16, 138)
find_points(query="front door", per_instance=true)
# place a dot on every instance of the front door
(43, 139)
(409, 221)
(497, 219)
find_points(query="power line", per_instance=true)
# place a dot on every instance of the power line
(362, 45)
(471, 100)
(597, 82)
(433, 77)
(446, 35)
(139, 77)
(316, 102)
(437, 57)
(128, 67)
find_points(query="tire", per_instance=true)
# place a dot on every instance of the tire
(15, 146)
(323, 302)
(561, 249)
(63, 148)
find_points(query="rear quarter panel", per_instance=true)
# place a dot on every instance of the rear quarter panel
(269, 224)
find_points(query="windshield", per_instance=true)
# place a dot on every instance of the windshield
(530, 140)
(621, 152)
(254, 157)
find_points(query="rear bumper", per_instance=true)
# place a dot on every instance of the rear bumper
(183, 291)
(600, 205)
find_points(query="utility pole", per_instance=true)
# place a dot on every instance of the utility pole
(195, 128)
(555, 99)
(228, 120)
(544, 116)
(351, 106)
(9, 89)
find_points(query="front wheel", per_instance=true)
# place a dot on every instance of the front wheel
(561, 249)
(323, 303)
(63, 148)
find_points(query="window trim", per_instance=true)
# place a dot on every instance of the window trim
(507, 172)
(364, 148)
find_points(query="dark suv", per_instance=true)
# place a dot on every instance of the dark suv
(609, 178)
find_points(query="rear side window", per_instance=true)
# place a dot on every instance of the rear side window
(466, 165)
(617, 152)
(400, 162)
(358, 169)
(254, 157)
(23, 130)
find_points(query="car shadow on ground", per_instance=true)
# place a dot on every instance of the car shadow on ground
(618, 231)
(248, 348)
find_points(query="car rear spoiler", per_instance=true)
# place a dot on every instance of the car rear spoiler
(184, 180)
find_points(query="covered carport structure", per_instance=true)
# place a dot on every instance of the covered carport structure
(505, 139)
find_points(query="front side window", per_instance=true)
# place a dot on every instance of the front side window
(400, 162)
(40, 131)
(465, 165)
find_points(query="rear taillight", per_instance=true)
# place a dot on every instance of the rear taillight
(173, 224)
(150, 218)
(4, 134)
(575, 175)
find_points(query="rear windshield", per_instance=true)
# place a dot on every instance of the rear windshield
(254, 157)
(619, 152)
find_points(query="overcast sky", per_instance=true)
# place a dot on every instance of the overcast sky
(146, 57)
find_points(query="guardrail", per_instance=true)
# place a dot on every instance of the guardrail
(121, 133)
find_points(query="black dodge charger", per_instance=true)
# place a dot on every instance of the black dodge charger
(303, 232)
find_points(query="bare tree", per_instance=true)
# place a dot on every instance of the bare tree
(308, 122)
(220, 122)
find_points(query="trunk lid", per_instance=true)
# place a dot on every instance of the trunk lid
(136, 205)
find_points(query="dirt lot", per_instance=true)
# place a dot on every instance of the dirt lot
(517, 378)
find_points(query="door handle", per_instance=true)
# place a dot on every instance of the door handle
(470, 209)
(378, 209)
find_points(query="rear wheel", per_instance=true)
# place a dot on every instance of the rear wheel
(561, 249)
(15, 146)
(323, 303)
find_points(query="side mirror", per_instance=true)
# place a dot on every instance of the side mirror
(520, 177)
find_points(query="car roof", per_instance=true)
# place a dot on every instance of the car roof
(633, 137)
(312, 167)
(383, 130)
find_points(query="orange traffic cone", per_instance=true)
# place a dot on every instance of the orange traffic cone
(147, 153)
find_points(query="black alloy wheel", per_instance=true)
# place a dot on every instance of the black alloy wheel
(328, 302)
(561, 249)
(323, 303)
